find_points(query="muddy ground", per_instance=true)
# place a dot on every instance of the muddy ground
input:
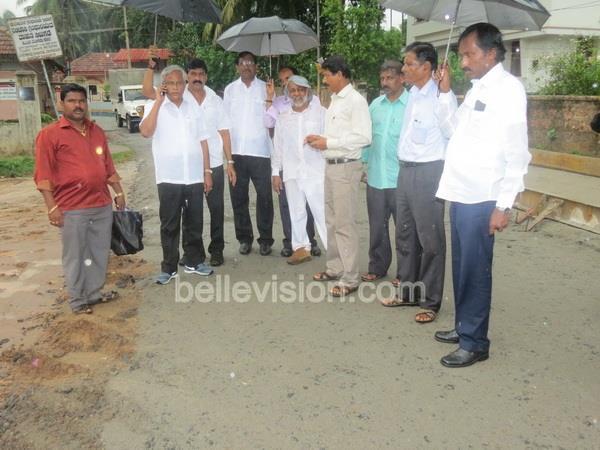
(149, 371)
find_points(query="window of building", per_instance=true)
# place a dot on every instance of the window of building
(515, 58)
(93, 89)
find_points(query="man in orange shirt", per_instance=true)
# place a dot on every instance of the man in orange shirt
(73, 169)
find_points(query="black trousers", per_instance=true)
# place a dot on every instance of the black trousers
(216, 208)
(420, 234)
(381, 205)
(286, 222)
(257, 170)
(174, 199)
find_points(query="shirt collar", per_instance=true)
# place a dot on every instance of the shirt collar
(252, 84)
(344, 92)
(64, 123)
(425, 90)
(490, 78)
(187, 96)
(402, 99)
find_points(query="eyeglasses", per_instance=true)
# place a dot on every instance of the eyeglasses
(246, 63)
(175, 83)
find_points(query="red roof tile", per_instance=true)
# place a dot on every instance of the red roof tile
(7, 47)
(142, 54)
(96, 63)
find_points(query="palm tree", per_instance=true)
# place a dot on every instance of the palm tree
(73, 20)
(236, 11)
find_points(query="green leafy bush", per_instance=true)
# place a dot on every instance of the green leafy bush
(16, 166)
(575, 73)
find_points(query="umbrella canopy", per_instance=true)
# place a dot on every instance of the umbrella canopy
(181, 10)
(266, 36)
(504, 14)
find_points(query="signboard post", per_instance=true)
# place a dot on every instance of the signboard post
(35, 39)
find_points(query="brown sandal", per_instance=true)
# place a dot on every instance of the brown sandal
(83, 310)
(425, 316)
(324, 276)
(395, 301)
(370, 277)
(341, 291)
(396, 282)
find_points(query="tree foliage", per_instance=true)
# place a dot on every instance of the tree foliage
(574, 73)
(356, 34)
(6, 16)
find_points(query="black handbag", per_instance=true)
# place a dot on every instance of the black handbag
(127, 232)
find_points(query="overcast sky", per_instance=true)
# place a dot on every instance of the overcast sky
(12, 6)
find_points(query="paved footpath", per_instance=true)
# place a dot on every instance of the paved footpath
(354, 375)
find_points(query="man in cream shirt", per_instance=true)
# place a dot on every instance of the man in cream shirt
(486, 161)
(347, 131)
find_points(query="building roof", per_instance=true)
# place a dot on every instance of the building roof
(96, 63)
(7, 47)
(142, 54)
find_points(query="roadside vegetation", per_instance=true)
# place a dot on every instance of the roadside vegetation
(23, 165)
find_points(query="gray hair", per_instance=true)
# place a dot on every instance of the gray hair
(170, 69)
(393, 65)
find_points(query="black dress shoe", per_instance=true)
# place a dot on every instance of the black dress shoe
(447, 337)
(315, 250)
(265, 249)
(216, 259)
(286, 252)
(463, 358)
(245, 248)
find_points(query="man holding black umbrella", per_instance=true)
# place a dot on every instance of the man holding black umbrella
(486, 161)
(245, 100)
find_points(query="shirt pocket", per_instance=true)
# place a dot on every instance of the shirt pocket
(312, 127)
(419, 134)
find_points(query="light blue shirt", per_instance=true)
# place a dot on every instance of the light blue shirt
(425, 130)
(381, 156)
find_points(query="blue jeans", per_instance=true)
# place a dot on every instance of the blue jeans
(472, 255)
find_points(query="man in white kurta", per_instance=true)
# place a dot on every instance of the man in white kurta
(303, 167)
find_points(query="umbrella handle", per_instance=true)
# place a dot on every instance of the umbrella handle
(448, 43)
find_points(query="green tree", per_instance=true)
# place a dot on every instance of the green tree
(6, 16)
(574, 73)
(186, 42)
(356, 34)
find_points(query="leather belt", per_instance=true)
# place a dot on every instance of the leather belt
(340, 160)
(416, 164)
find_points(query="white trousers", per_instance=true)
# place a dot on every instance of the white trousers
(300, 192)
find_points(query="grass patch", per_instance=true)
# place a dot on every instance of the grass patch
(16, 166)
(22, 165)
(122, 157)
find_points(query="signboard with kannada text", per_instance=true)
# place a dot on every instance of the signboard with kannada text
(35, 38)
(8, 90)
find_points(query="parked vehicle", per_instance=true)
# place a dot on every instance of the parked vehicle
(127, 98)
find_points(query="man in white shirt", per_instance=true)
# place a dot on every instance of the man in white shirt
(183, 176)
(301, 166)
(244, 101)
(217, 124)
(486, 161)
(274, 107)
(420, 234)
(347, 131)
